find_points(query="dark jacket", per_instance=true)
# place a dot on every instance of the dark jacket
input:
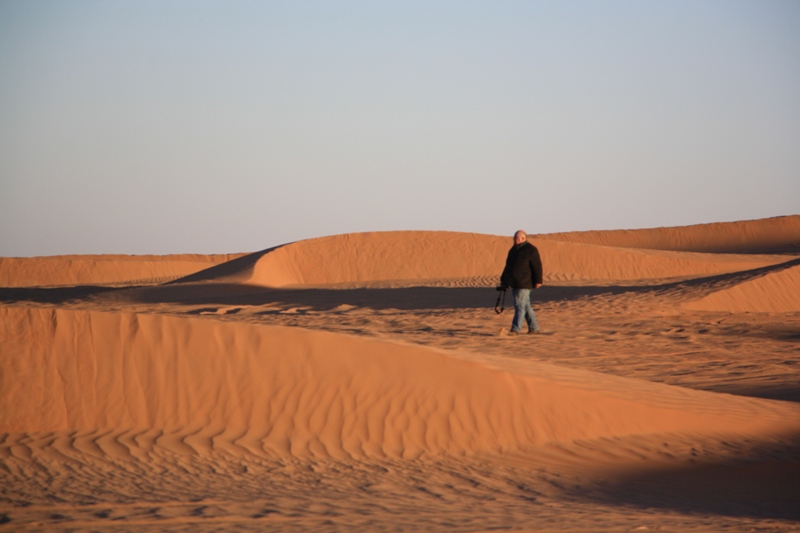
(523, 267)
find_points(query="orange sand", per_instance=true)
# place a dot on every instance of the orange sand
(768, 235)
(775, 292)
(422, 257)
(362, 382)
(299, 393)
(66, 270)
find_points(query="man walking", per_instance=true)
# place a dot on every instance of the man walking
(523, 272)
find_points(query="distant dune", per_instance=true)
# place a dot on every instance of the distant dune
(102, 269)
(431, 256)
(763, 236)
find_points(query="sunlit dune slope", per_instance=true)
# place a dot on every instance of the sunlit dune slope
(767, 235)
(776, 292)
(429, 255)
(101, 269)
(206, 385)
(426, 256)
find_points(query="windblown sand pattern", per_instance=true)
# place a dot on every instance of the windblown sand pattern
(363, 382)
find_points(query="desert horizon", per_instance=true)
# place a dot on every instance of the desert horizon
(364, 382)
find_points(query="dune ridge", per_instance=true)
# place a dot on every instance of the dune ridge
(764, 236)
(204, 385)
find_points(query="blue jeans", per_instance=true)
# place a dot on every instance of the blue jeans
(523, 310)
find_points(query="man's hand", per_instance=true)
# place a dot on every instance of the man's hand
(537, 285)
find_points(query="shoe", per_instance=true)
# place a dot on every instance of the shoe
(534, 332)
(513, 333)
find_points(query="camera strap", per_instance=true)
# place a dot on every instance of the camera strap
(498, 307)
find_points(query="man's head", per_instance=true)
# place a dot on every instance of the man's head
(520, 237)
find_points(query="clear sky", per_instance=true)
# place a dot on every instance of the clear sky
(192, 126)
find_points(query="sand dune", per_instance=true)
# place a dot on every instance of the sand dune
(382, 392)
(420, 256)
(776, 292)
(427, 256)
(764, 236)
(299, 393)
(68, 270)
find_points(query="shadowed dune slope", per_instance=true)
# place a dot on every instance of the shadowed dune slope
(431, 255)
(776, 292)
(765, 236)
(209, 385)
(101, 269)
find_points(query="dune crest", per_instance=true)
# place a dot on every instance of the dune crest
(764, 236)
(290, 392)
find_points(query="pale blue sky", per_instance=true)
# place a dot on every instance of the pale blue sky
(193, 126)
